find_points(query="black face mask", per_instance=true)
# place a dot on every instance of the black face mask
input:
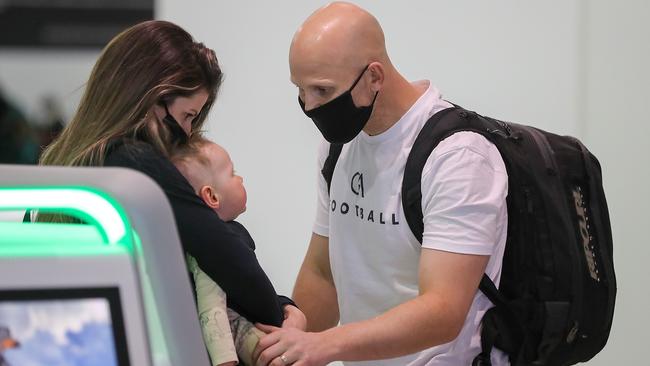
(178, 135)
(339, 120)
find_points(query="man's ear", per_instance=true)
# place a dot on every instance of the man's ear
(377, 75)
(210, 196)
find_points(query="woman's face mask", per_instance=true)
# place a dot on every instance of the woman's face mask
(339, 120)
(187, 108)
(178, 134)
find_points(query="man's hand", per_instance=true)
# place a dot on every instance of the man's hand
(294, 318)
(289, 346)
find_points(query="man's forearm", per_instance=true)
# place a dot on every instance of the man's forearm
(316, 297)
(415, 325)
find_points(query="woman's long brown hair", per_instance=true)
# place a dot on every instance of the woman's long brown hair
(149, 63)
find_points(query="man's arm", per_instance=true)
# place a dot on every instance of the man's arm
(314, 292)
(448, 284)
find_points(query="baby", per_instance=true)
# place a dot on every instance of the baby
(208, 168)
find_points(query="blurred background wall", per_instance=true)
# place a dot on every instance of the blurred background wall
(576, 67)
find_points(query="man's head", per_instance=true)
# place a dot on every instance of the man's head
(338, 44)
(208, 168)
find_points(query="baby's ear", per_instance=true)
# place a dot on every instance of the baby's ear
(210, 197)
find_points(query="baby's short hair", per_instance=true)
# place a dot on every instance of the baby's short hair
(190, 159)
(192, 151)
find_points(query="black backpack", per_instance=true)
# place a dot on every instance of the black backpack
(555, 302)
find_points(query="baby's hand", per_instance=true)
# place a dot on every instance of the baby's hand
(294, 318)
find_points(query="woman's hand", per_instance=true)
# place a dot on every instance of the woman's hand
(294, 318)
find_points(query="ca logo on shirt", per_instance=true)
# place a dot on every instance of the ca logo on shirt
(356, 184)
(365, 214)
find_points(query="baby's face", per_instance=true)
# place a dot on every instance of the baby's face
(228, 185)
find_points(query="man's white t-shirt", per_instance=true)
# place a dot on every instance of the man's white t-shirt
(374, 256)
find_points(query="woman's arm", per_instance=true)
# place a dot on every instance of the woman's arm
(217, 248)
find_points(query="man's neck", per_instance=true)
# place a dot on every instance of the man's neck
(393, 101)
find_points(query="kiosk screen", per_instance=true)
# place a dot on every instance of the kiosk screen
(72, 326)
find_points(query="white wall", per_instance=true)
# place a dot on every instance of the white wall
(618, 132)
(577, 67)
(571, 66)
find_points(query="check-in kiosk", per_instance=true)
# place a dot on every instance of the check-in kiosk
(113, 290)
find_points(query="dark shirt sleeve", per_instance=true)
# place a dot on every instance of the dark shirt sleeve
(217, 246)
(244, 235)
(248, 240)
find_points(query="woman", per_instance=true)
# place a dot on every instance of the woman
(151, 88)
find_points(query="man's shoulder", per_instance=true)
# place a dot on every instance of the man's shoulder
(472, 143)
(465, 140)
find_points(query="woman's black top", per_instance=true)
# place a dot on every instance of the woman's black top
(218, 248)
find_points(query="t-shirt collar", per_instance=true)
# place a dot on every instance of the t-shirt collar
(419, 109)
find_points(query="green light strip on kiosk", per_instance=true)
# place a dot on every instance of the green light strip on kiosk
(107, 231)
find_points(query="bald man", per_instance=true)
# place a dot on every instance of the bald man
(398, 302)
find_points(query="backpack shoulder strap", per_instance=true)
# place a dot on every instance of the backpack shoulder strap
(441, 125)
(330, 163)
